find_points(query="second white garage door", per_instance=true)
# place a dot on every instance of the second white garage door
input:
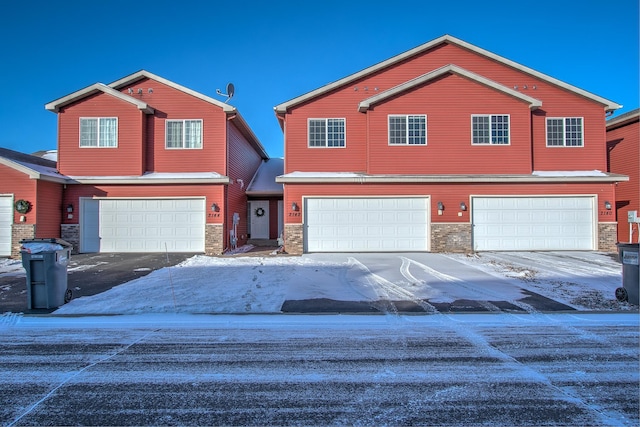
(143, 225)
(6, 221)
(533, 223)
(366, 224)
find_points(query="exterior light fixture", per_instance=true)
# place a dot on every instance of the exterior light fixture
(294, 206)
(440, 206)
(607, 205)
(215, 207)
(463, 206)
(69, 208)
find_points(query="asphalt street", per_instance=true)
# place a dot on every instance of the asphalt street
(461, 369)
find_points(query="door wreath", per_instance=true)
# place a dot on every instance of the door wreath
(23, 206)
(259, 212)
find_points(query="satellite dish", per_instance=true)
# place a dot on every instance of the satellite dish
(230, 91)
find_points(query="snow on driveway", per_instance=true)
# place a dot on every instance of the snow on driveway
(229, 284)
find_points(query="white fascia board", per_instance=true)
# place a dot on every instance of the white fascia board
(130, 79)
(32, 173)
(447, 69)
(623, 119)
(399, 179)
(282, 108)
(95, 180)
(90, 90)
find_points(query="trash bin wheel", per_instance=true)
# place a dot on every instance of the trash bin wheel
(67, 296)
(621, 294)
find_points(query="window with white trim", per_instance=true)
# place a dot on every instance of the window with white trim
(183, 134)
(98, 132)
(407, 129)
(327, 133)
(564, 132)
(490, 129)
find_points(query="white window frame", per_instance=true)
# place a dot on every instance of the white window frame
(326, 132)
(565, 132)
(406, 135)
(491, 135)
(98, 137)
(183, 136)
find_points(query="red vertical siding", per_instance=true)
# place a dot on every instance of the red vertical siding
(126, 159)
(624, 158)
(242, 165)
(49, 213)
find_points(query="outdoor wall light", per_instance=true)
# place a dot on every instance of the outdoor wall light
(69, 208)
(215, 207)
(607, 206)
(294, 206)
(440, 206)
(463, 206)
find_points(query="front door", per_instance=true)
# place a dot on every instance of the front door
(260, 219)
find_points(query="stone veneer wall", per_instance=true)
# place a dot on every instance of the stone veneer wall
(452, 237)
(607, 236)
(19, 232)
(70, 233)
(213, 239)
(293, 243)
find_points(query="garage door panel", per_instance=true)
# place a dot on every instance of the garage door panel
(366, 224)
(534, 223)
(6, 222)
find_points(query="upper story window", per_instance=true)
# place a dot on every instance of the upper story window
(326, 133)
(564, 132)
(490, 129)
(407, 130)
(184, 134)
(98, 132)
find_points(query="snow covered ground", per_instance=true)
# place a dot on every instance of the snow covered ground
(248, 284)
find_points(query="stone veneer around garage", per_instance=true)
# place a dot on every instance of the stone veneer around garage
(18, 233)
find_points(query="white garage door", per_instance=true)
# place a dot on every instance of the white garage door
(6, 220)
(366, 224)
(143, 225)
(533, 223)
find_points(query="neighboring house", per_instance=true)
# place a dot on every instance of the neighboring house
(30, 200)
(153, 166)
(623, 147)
(447, 147)
(266, 211)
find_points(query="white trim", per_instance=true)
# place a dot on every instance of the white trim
(406, 143)
(326, 128)
(478, 144)
(447, 69)
(55, 106)
(184, 130)
(80, 119)
(564, 132)
(283, 107)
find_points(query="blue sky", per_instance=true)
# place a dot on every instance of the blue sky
(273, 51)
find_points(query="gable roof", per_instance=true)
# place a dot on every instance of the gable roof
(263, 182)
(90, 90)
(33, 166)
(447, 69)
(623, 119)
(282, 108)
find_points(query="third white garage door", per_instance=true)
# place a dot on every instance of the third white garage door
(366, 224)
(533, 223)
(143, 225)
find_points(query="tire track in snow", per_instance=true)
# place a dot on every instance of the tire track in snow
(406, 263)
(386, 290)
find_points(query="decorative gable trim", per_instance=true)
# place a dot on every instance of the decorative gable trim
(447, 69)
(95, 88)
(282, 108)
(130, 79)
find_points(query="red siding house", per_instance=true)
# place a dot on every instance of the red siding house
(153, 166)
(623, 148)
(30, 200)
(447, 147)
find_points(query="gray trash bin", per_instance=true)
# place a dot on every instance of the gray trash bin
(628, 254)
(45, 262)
